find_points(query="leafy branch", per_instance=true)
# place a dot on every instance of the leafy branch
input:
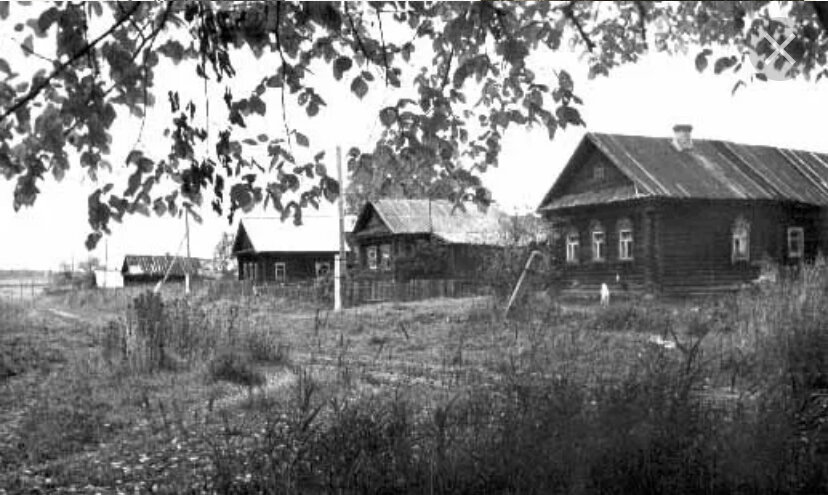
(35, 91)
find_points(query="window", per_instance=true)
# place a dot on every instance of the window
(385, 256)
(599, 242)
(371, 257)
(625, 240)
(280, 272)
(250, 271)
(741, 240)
(323, 269)
(598, 172)
(573, 242)
(796, 242)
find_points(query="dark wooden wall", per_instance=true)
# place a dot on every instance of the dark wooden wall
(298, 266)
(683, 246)
(582, 178)
(589, 275)
(695, 240)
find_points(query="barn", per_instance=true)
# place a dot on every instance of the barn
(677, 215)
(396, 235)
(147, 269)
(269, 250)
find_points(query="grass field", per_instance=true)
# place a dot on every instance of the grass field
(112, 395)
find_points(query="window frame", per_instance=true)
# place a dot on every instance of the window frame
(626, 247)
(740, 238)
(573, 247)
(599, 248)
(283, 266)
(799, 253)
(371, 257)
(599, 172)
(385, 257)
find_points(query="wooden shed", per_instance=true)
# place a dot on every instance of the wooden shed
(682, 215)
(392, 232)
(271, 250)
(148, 269)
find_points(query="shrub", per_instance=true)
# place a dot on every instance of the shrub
(263, 348)
(235, 367)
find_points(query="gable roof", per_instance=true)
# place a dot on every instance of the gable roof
(455, 225)
(272, 235)
(135, 264)
(712, 169)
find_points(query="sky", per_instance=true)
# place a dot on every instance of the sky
(646, 98)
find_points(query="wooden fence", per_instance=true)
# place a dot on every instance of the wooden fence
(355, 292)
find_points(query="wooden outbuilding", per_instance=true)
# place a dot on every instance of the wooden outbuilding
(677, 215)
(270, 250)
(147, 269)
(420, 238)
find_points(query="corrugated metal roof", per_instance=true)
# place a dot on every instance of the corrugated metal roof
(315, 235)
(135, 264)
(712, 169)
(453, 224)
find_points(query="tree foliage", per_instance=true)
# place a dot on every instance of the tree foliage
(466, 72)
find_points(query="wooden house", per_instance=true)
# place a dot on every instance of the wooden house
(453, 240)
(145, 269)
(678, 215)
(269, 250)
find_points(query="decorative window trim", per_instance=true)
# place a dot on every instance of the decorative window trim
(280, 266)
(598, 237)
(385, 257)
(740, 240)
(371, 258)
(573, 246)
(799, 252)
(626, 240)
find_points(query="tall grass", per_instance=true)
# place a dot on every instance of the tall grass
(659, 427)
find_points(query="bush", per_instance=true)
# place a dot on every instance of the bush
(235, 367)
(263, 348)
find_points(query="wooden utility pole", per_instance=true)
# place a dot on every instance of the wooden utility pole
(339, 268)
(106, 262)
(187, 264)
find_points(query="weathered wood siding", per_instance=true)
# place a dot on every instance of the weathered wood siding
(582, 179)
(298, 266)
(588, 275)
(694, 240)
(683, 246)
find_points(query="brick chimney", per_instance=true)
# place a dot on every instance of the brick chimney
(682, 137)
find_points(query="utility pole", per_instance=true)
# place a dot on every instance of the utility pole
(339, 263)
(106, 262)
(187, 264)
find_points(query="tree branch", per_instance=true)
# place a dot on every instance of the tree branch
(284, 64)
(35, 91)
(356, 33)
(821, 9)
(642, 20)
(569, 12)
(384, 50)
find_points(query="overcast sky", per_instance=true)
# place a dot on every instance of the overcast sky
(647, 98)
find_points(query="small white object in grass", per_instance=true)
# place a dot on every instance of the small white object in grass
(667, 344)
(605, 295)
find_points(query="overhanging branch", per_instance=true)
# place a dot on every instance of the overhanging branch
(35, 91)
